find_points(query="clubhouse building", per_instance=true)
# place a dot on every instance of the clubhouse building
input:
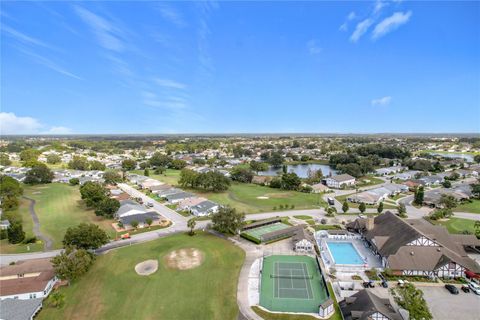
(415, 247)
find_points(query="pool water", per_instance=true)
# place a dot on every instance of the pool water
(344, 253)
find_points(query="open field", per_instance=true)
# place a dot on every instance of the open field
(58, 207)
(245, 198)
(457, 225)
(170, 176)
(472, 207)
(206, 292)
(369, 181)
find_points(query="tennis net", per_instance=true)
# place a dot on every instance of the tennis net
(278, 276)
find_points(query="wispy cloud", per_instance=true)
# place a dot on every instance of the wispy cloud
(203, 33)
(391, 23)
(379, 5)
(383, 101)
(171, 15)
(49, 64)
(313, 47)
(169, 83)
(360, 29)
(351, 16)
(153, 100)
(108, 35)
(10, 123)
(26, 39)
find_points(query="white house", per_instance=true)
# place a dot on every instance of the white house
(303, 241)
(339, 181)
(30, 279)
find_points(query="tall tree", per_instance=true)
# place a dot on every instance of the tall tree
(129, 164)
(411, 299)
(419, 195)
(15, 233)
(228, 220)
(5, 159)
(362, 207)
(380, 207)
(107, 207)
(85, 236)
(191, 223)
(72, 263)
(10, 190)
(39, 173)
(345, 206)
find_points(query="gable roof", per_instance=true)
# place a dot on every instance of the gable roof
(342, 177)
(16, 309)
(364, 303)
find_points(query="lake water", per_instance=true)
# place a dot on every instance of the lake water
(467, 157)
(300, 169)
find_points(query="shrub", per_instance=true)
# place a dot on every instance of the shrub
(323, 221)
(250, 238)
(32, 239)
(74, 181)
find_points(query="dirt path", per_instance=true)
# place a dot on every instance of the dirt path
(47, 242)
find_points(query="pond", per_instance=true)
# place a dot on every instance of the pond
(300, 169)
(466, 156)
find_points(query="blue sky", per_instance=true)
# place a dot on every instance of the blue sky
(238, 67)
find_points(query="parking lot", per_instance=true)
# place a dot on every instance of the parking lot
(446, 306)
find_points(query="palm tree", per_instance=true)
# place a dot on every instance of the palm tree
(191, 223)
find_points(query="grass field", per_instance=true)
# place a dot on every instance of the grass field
(457, 225)
(369, 181)
(58, 207)
(472, 207)
(245, 198)
(170, 176)
(206, 292)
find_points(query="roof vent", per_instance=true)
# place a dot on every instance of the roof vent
(412, 253)
(438, 249)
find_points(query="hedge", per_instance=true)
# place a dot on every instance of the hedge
(250, 238)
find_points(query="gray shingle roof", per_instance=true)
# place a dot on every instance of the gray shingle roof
(15, 309)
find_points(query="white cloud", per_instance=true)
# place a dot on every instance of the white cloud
(172, 102)
(169, 83)
(108, 35)
(13, 124)
(313, 47)
(379, 4)
(384, 101)
(351, 15)
(391, 23)
(50, 64)
(360, 29)
(22, 37)
(172, 15)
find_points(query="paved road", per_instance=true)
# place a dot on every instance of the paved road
(47, 242)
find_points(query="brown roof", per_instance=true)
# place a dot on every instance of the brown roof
(26, 266)
(364, 303)
(391, 235)
(342, 177)
(26, 284)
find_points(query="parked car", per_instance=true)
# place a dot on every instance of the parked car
(474, 287)
(369, 284)
(465, 288)
(451, 288)
(125, 236)
(331, 201)
(150, 204)
(385, 284)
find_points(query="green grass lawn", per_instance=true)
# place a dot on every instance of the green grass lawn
(112, 289)
(457, 225)
(170, 176)
(473, 207)
(58, 207)
(245, 198)
(362, 182)
(303, 217)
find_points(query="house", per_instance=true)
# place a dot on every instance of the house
(28, 279)
(372, 197)
(141, 218)
(303, 241)
(340, 181)
(407, 175)
(190, 202)
(319, 188)
(366, 305)
(389, 170)
(166, 192)
(460, 193)
(432, 180)
(15, 309)
(178, 197)
(205, 208)
(416, 247)
(4, 224)
(148, 183)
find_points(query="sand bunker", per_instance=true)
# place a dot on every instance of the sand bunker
(184, 259)
(37, 192)
(146, 267)
(262, 197)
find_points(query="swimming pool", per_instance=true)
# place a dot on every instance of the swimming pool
(344, 253)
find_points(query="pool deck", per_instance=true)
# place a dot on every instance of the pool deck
(372, 261)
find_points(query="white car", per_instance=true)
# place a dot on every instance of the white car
(474, 287)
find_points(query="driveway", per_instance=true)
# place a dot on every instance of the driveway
(446, 306)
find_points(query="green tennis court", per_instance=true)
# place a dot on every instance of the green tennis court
(260, 231)
(292, 284)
